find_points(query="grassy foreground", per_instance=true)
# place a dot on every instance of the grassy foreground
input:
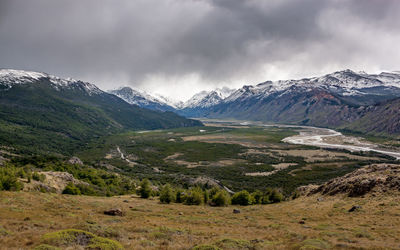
(306, 223)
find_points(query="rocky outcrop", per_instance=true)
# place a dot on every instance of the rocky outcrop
(75, 160)
(371, 178)
(54, 182)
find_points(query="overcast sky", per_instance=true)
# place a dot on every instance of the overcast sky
(179, 47)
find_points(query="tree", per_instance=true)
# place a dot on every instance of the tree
(276, 196)
(241, 198)
(167, 194)
(221, 199)
(145, 189)
(71, 189)
(180, 196)
(194, 197)
(257, 196)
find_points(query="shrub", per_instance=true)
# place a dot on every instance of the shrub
(276, 196)
(167, 194)
(38, 177)
(257, 196)
(71, 189)
(242, 198)
(194, 197)
(206, 196)
(221, 199)
(272, 196)
(180, 196)
(8, 179)
(145, 189)
(213, 191)
(74, 237)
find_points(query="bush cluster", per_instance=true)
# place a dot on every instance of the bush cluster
(213, 197)
(8, 178)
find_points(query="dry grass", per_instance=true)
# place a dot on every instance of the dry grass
(147, 224)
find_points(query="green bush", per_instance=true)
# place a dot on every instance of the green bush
(221, 199)
(180, 196)
(206, 197)
(145, 189)
(167, 194)
(194, 197)
(272, 196)
(242, 198)
(71, 189)
(276, 196)
(257, 196)
(38, 177)
(78, 238)
(9, 180)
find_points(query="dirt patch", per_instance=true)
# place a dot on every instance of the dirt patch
(278, 167)
(282, 166)
(225, 162)
(226, 139)
(320, 155)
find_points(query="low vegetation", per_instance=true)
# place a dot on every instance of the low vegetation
(307, 222)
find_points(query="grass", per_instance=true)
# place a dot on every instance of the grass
(55, 220)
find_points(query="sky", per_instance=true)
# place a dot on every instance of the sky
(179, 47)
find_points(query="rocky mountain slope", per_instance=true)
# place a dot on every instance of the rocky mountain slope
(342, 99)
(42, 111)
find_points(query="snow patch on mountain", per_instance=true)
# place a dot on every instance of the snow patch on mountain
(11, 77)
(346, 82)
(205, 99)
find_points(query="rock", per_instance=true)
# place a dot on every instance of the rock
(126, 201)
(114, 212)
(320, 199)
(180, 213)
(372, 178)
(236, 211)
(302, 222)
(75, 160)
(354, 208)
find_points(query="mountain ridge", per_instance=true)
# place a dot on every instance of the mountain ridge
(43, 112)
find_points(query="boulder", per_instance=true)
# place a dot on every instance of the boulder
(75, 160)
(114, 212)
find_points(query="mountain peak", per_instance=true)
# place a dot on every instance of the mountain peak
(11, 77)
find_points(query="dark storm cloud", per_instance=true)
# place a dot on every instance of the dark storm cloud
(161, 44)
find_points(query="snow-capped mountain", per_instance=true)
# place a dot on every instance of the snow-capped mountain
(333, 100)
(346, 83)
(143, 99)
(11, 77)
(205, 99)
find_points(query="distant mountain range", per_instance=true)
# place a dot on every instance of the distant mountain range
(43, 112)
(356, 101)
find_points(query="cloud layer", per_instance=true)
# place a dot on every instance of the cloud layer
(190, 45)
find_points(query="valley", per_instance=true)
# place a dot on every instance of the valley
(233, 154)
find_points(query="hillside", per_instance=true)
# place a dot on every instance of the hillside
(315, 222)
(46, 113)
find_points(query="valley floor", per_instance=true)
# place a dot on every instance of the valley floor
(315, 222)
